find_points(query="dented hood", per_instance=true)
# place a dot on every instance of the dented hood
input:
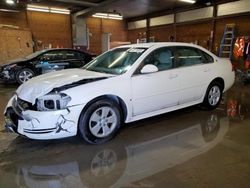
(41, 85)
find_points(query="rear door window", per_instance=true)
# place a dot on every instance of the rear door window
(187, 56)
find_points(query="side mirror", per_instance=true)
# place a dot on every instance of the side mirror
(149, 69)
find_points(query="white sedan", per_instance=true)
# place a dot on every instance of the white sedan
(125, 84)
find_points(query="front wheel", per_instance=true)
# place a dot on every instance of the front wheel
(100, 122)
(24, 75)
(213, 96)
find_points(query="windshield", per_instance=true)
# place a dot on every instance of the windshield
(35, 54)
(116, 61)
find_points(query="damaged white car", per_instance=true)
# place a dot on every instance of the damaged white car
(123, 85)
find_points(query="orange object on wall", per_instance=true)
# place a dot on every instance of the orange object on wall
(239, 47)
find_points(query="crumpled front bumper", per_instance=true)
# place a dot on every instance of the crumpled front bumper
(10, 123)
(6, 75)
(43, 125)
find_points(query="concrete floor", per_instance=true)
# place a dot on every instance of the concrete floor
(186, 148)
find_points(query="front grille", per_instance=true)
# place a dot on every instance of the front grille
(23, 104)
(20, 105)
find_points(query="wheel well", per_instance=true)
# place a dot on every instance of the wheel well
(113, 98)
(221, 81)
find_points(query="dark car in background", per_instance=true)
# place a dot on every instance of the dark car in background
(40, 62)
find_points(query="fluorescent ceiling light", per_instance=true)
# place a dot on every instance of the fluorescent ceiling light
(59, 11)
(47, 9)
(38, 8)
(189, 1)
(108, 16)
(8, 10)
(11, 2)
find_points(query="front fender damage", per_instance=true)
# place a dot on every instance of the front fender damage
(30, 91)
(46, 124)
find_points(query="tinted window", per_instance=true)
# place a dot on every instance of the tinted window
(207, 58)
(52, 56)
(162, 58)
(73, 55)
(82, 55)
(187, 56)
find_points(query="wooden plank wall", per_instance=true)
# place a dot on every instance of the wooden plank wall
(54, 29)
(198, 33)
(14, 44)
(133, 35)
(162, 33)
(14, 18)
(97, 26)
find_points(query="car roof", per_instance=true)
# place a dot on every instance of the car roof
(166, 44)
(159, 44)
(51, 49)
(56, 49)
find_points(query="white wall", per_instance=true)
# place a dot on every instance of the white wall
(162, 20)
(234, 7)
(197, 14)
(137, 24)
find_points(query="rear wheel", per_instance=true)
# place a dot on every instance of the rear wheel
(100, 122)
(24, 75)
(213, 96)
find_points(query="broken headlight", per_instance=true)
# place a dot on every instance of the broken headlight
(8, 67)
(54, 101)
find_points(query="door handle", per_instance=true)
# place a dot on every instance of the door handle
(172, 76)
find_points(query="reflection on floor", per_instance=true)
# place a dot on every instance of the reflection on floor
(186, 148)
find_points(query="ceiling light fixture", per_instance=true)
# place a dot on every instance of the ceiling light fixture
(59, 11)
(37, 8)
(8, 10)
(189, 1)
(114, 16)
(47, 9)
(11, 2)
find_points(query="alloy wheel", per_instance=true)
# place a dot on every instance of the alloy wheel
(214, 95)
(102, 122)
(25, 76)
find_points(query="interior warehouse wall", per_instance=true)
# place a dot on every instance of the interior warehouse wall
(242, 28)
(15, 37)
(162, 33)
(14, 18)
(98, 26)
(19, 29)
(191, 32)
(54, 29)
(14, 43)
(134, 34)
(196, 31)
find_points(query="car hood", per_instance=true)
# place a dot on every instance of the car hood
(41, 85)
(14, 61)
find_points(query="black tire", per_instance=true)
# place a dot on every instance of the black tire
(85, 122)
(207, 104)
(20, 75)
